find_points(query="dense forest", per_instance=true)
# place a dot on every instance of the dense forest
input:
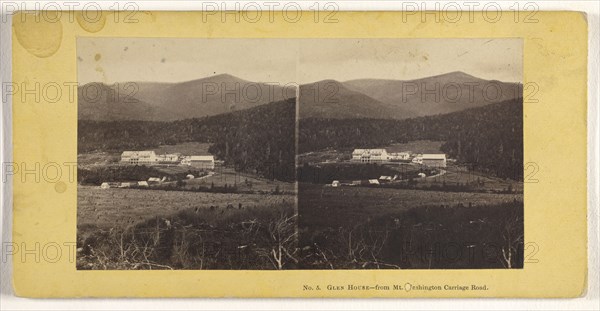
(258, 140)
(488, 138)
(261, 140)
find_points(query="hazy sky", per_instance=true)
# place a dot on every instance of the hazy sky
(294, 60)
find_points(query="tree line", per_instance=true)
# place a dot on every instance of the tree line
(259, 140)
(489, 138)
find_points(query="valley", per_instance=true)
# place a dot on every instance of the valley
(279, 159)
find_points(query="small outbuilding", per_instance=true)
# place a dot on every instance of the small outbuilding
(434, 160)
(200, 161)
(126, 185)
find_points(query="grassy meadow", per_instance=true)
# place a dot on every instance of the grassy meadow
(154, 229)
(382, 228)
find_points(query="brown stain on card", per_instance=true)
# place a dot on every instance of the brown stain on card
(97, 58)
(60, 187)
(91, 21)
(41, 36)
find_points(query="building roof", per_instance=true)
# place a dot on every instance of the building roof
(369, 151)
(202, 158)
(137, 153)
(434, 156)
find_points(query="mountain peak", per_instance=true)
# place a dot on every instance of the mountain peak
(202, 97)
(457, 74)
(219, 78)
(332, 99)
(327, 81)
(439, 94)
(223, 76)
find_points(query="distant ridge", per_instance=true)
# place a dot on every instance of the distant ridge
(156, 101)
(333, 99)
(439, 94)
(361, 98)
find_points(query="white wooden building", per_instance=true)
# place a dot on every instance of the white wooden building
(139, 157)
(370, 155)
(173, 158)
(396, 156)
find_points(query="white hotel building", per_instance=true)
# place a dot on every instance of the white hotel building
(370, 155)
(381, 155)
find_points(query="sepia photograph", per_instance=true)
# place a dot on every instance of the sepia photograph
(300, 154)
(186, 154)
(410, 154)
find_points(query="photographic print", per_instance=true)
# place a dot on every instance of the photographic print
(186, 151)
(410, 154)
(381, 156)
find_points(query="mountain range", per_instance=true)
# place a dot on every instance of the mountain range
(155, 101)
(363, 98)
(333, 99)
(439, 94)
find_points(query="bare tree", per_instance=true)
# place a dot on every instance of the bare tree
(512, 235)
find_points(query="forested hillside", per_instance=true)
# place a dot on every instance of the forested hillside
(259, 139)
(262, 139)
(489, 137)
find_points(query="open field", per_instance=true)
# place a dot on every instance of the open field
(111, 208)
(153, 229)
(455, 174)
(355, 204)
(97, 158)
(243, 182)
(375, 228)
(173, 169)
(459, 177)
(324, 156)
